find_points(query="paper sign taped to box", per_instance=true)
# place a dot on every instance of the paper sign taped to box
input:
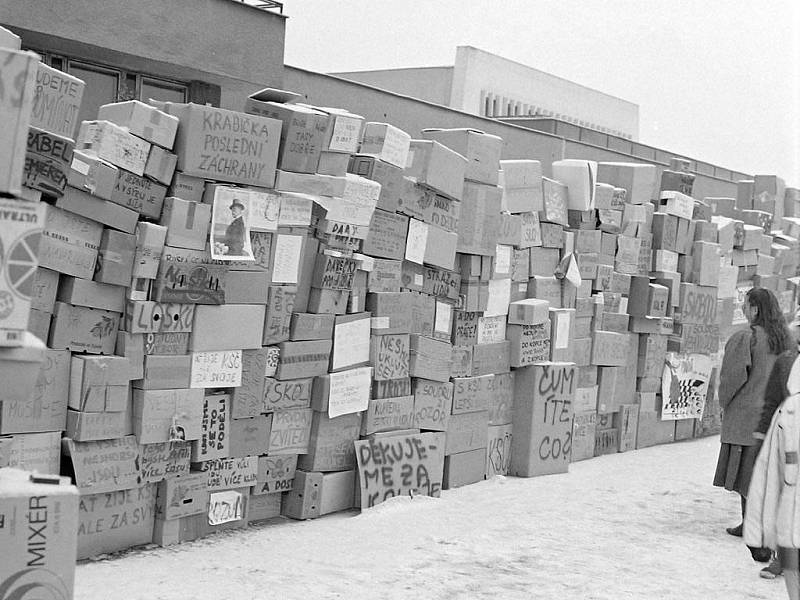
(349, 391)
(224, 507)
(400, 465)
(216, 369)
(230, 224)
(684, 386)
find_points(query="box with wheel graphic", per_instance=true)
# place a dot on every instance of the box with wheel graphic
(20, 231)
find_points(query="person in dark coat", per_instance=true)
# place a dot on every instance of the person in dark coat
(746, 366)
(235, 232)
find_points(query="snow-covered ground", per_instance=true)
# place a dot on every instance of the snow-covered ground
(639, 525)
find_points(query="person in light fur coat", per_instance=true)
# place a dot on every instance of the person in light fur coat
(772, 518)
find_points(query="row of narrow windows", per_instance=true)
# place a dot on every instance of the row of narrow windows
(493, 107)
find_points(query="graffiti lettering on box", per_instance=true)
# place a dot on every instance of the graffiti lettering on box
(399, 466)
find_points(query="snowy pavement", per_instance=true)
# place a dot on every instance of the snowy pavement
(639, 525)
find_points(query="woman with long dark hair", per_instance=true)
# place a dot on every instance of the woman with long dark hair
(746, 365)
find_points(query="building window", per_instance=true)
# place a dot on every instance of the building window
(102, 87)
(161, 90)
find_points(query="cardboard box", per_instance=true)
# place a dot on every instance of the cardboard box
(182, 496)
(37, 452)
(187, 223)
(19, 74)
(529, 344)
(427, 205)
(543, 419)
(249, 436)
(388, 414)
(133, 512)
(99, 384)
(165, 372)
(82, 329)
(57, 101)
(47, 161)
(160, 165)
(498, 451)
(227, 327)
(331, 443)
(38, 404)
(223, 145)
(116, 258)
(303, 132)
(432, 404)
(82, 292)
(142, 120)
(186, 187)
(214, 440)
(491, 358)
(429, 358)
(638, 180)
(290, 433)
(316, 494)
(134, 192)
(164, 461)
(389, 176)
(282, 395)
(436, 166)
(472, 394)
(481, 150)
(49, 506)
(94, 426)
(114, 144)
(167, 415)
(275, 474)
(303, 359)
(466, 432)
(479, 222)
(69, 242)
(99, 210)
(464, 468)
(386, 237)
(103, 466)
(522, 185)
(386, 142)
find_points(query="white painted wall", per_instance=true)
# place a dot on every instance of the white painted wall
(479, 75)
(431, 84)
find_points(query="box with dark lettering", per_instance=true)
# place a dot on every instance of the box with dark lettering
(48, 505)
(69, 242)
(303, 132)
(223, 145)
(543, 411)
(529, 344)
(433, 402)
(47, 161)
(133, 512)
(303, 359)
(386, 237)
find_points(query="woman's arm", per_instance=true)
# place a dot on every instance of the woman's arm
(736, 362)
(775, 392)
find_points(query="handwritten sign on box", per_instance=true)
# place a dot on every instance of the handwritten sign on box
(417, 472)
(498, 452)
(226, 473)
(216, 369)
(290, 431)
(389, 355)
(165, 460)
(349, 391)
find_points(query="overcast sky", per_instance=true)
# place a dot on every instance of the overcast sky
(714, 80)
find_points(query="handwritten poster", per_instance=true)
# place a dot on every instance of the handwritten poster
(349, 391)
(400, 466)
(224, 507)
(286, 266)
(684, 386)
(351, 343)
(216, 369)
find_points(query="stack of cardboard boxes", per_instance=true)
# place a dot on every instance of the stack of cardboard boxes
(290, 311)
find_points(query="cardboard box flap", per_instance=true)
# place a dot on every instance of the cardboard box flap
(275, 95)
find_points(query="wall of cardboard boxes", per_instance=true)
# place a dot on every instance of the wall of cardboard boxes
(404, 315)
